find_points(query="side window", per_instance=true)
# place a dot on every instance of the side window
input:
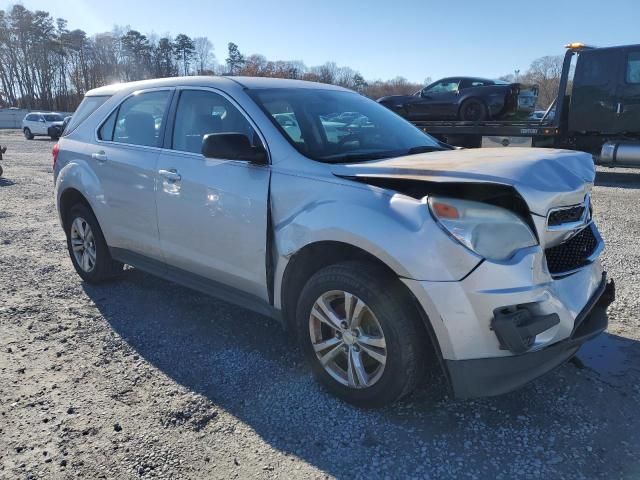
(632, 74)
(201, 112)
(138, 120)
(106, 130)
(443, 86)
(29, 118)
(595, 68)
(473, 82)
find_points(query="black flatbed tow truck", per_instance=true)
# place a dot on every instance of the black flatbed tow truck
(599, 112)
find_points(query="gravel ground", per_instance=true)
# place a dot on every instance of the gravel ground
(143, 378)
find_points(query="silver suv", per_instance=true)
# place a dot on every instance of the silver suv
(387, 251)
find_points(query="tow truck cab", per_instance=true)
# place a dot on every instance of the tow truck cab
(598, 111)
(605, 97)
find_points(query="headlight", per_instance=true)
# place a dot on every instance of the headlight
(492, 232)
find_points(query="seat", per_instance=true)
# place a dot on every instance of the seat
(202, 125)
(140, 128)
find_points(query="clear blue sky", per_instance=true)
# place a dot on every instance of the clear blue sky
(380, 38)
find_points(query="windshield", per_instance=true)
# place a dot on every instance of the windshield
(340, 126)
(53, 117)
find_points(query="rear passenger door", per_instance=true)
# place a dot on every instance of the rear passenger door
(39, 126)
(438, 101)
(212, 213)
(125, 160)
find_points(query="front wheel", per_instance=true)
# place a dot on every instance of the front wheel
(87, 247)
(360, 335)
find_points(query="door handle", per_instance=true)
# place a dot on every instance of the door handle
(619, 109)
(171, 175)
(99, 156)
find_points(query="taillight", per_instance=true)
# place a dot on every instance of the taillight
(55, 152)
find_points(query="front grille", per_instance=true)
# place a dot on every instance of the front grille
(572, 254)
(566, 215)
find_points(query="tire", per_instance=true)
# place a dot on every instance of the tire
(100, 266)
(387, 305)
(27, 134)
(473, 110)
(1, 171)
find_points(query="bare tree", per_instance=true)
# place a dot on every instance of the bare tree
(204, 56)
(544, 72)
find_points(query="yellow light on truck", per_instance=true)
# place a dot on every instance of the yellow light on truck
(574, 45)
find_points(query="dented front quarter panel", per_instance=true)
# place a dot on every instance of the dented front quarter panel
(316, 206)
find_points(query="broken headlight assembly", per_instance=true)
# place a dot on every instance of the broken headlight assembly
(492, 232)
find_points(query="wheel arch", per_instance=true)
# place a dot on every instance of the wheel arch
(311, 258)
(68, 198)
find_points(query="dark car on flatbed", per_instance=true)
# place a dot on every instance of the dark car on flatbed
(464, 98)
(597, 110)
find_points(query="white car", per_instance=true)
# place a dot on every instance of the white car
(47, 124)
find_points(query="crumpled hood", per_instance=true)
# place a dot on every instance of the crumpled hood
(545, 178)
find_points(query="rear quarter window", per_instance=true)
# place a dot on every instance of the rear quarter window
(86, 108)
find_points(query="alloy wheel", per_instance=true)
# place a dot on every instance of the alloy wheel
(83, 244)
(347, 338)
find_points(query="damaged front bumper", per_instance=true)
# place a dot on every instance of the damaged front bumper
(494, 376)
(507, 323)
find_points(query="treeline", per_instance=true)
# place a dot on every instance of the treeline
(46, 65)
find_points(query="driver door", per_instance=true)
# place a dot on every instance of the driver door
(212, 212)
(437, 101)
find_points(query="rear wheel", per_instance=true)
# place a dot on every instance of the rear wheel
(87, 248)
(360, 335)
(27, 134)
(473, 110)
(1, 171)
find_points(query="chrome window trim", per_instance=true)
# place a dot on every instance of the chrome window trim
(584, 219)
(106, 117)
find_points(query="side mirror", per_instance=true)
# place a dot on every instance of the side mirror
(233, 146)
(41, 120)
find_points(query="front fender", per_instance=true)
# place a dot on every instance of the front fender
(396, 229)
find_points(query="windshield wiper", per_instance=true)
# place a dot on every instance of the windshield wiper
(424, 149)
(350, 157)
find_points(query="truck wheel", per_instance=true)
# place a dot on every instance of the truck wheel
(1, 171)
(27, 134)
(87, 248)
(360, 335)
(473, 110)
